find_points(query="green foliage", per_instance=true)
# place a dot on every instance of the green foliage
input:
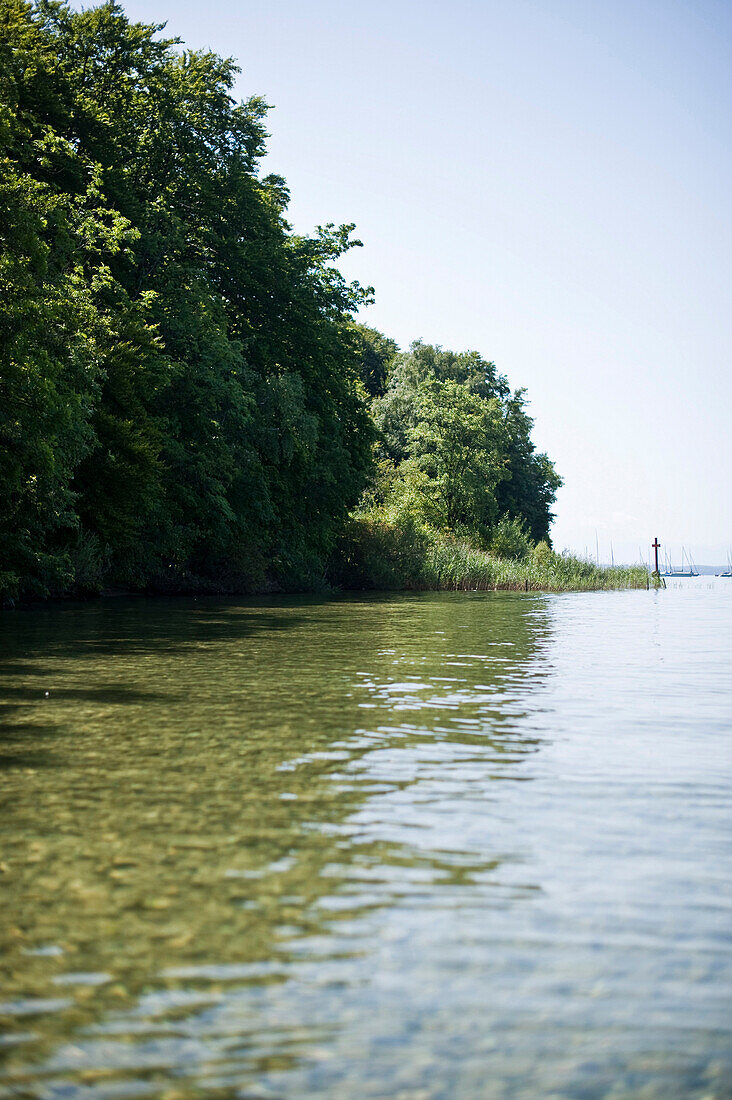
(510, 540)
(459, 441)
(180, 404)
(183, 389)
(455, 451)
(383, 550)
(397, 411)
(457, 564)
(543, 554)
(376, 353)
(55, 247)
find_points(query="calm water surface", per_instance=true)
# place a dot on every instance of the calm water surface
(421, 847)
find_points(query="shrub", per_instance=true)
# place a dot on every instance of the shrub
(380, 552)
(543, 554)
(510, 540)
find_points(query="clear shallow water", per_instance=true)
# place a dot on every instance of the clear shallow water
(420, 847)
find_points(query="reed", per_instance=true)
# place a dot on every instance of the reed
(454, 563)
(381, 554)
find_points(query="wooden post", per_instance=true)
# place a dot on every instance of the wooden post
(656, 546)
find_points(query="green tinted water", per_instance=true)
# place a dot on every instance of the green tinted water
(432, 846)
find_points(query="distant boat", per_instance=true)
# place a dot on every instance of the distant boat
(687, 569)
(728, 570)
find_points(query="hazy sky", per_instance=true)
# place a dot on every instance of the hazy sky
(548, 182)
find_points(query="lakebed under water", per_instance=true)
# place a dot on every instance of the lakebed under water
(421, 846)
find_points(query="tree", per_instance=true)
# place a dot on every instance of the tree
(376, 352)
(57, 238)
(198, 416)
(527, 483)
(457, 446)
(395, 412)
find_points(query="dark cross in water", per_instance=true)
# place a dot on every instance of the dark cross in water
(656, 545)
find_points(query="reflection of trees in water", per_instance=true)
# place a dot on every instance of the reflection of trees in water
(191, 791)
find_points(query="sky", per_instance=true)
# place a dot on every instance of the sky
(547, 182)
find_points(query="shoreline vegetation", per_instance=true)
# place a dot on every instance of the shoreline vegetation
(379, 555)
(187, 402)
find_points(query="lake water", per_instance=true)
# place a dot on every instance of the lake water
(413, 847)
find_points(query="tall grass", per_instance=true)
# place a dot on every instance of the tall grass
(379, 553)
(454, 563)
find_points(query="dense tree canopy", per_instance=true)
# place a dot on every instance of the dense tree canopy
(186, 400)
(377, 353)
(179, 386)
(457, 442)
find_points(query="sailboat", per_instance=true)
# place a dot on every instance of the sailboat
(685, 570)
(728, 570)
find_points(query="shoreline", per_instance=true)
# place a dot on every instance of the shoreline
(110, 595)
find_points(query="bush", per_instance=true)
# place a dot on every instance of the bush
(88, 564)
(9, 588)
(380, 553)
(510, 540)
(543, 554)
